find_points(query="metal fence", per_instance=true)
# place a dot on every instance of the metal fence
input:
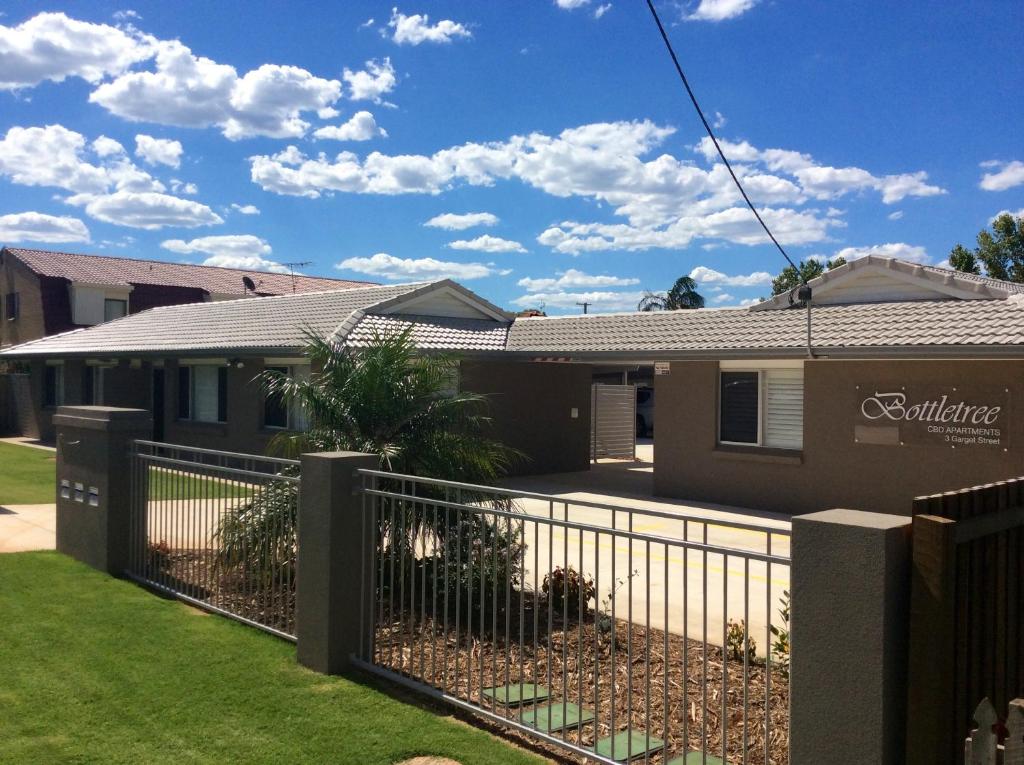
(612, 632)
(218, 530)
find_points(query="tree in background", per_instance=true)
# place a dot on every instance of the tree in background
(683, 295)
(1000, 251)
(806, 270)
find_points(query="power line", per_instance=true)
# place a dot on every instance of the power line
(711, 134)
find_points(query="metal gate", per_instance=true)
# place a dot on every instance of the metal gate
(613, 421)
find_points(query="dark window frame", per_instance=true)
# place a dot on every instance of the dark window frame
(187, 394)
(53, 386)
(12, 306)
(121, 301)
(732, 434)
(273, 405)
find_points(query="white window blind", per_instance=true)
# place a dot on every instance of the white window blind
(204, 393)
(784, 408)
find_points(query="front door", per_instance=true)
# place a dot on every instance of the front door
(158, 404)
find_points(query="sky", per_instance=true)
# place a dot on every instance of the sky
(541, 152)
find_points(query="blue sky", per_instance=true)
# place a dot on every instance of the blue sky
(542, 152)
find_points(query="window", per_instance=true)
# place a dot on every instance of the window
(114, 309)
(203, 393)
(53, 385)
(276, 414)
(12, 306)
(762, 407)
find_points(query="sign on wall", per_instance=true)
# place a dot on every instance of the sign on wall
(969, 417)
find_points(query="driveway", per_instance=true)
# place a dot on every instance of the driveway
(28, 527)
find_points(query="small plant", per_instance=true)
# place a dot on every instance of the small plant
(781, 644)
(566, 587)
(735, 637)
(603, 618)
(158, 556)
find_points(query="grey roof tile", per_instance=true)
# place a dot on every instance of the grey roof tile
(434, 332)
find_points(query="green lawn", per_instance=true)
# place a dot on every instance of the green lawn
(95, 669)
(28, 477)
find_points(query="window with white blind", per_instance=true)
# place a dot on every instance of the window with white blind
(276, 413)
(761, 406)
(202, 393)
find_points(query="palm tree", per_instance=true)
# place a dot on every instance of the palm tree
(683, 295)
(387, 399)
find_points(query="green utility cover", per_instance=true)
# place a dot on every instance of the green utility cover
(694, 758)
(641, 744)
(538, 717)
(514, 694)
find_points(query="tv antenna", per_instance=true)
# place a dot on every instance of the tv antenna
(296, 264)
(585, 305)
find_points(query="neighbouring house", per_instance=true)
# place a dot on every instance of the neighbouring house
(44, 292)
(899, 380)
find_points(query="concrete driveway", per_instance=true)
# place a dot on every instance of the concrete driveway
(28, 527)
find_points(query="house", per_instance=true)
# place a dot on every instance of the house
(44, 292)
(898, 380)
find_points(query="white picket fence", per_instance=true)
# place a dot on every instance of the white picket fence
(982, 746)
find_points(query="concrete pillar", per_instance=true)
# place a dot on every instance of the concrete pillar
(334, 544)
(850, 587)
(93, 458)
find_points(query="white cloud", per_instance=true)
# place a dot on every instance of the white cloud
(51, 46)
(147, 210)
(601, 10)
(327, 113)
(193, 91)
(822, 181)
(900, 250)
(897, 215)
(50, 156)
(461, 221)
(360, 127)
(245, 209)
(722, 297)
(571, 5)
(39, 227)
(387, 266)
(181, 187)
(107, 147)
(575, 279)
(1015, 213)
(720, 10)
(158, 151)
(229, 251)
(599, 300)
(719, 121)
(1010, 174)
(371, 83)
(706, 275)
(487, 243)
(416, 29)
(667, 201)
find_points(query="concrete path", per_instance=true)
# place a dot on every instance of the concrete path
(28, 527)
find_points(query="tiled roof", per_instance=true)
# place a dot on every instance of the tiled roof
(434, 332)
(247, 323)
(955, 284)
(100, 269)
(963, 323)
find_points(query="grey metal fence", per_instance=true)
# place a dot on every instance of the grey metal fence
(218, 530)
(612, 632)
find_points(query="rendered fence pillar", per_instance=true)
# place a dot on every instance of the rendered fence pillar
(94, 482)
(332, 552)
(850, 586)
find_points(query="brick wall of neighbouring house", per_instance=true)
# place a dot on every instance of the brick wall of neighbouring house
(832, 470)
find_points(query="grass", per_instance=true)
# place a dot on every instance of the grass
(28, 477)
(98, 670)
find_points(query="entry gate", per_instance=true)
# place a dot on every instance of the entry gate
(613, 421)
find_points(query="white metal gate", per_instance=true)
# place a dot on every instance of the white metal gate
(613, 421)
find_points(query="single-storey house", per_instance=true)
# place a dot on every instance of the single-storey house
(898, 380)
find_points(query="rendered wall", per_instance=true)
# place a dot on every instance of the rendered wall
(832, 470)
(531, 405)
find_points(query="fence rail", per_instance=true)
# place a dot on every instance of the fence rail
(218, 530)
(612, 632)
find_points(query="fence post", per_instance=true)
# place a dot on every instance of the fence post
(94, 482)
(850, 589)
(331, 557)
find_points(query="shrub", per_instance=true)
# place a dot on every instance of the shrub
(735, 634)
(565, 587)
(781, 644)
(158, 556)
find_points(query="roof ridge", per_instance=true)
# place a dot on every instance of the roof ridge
(189, 265)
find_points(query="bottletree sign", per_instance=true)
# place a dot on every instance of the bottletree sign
(952, 416)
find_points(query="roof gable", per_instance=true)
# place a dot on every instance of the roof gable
(876, 279)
